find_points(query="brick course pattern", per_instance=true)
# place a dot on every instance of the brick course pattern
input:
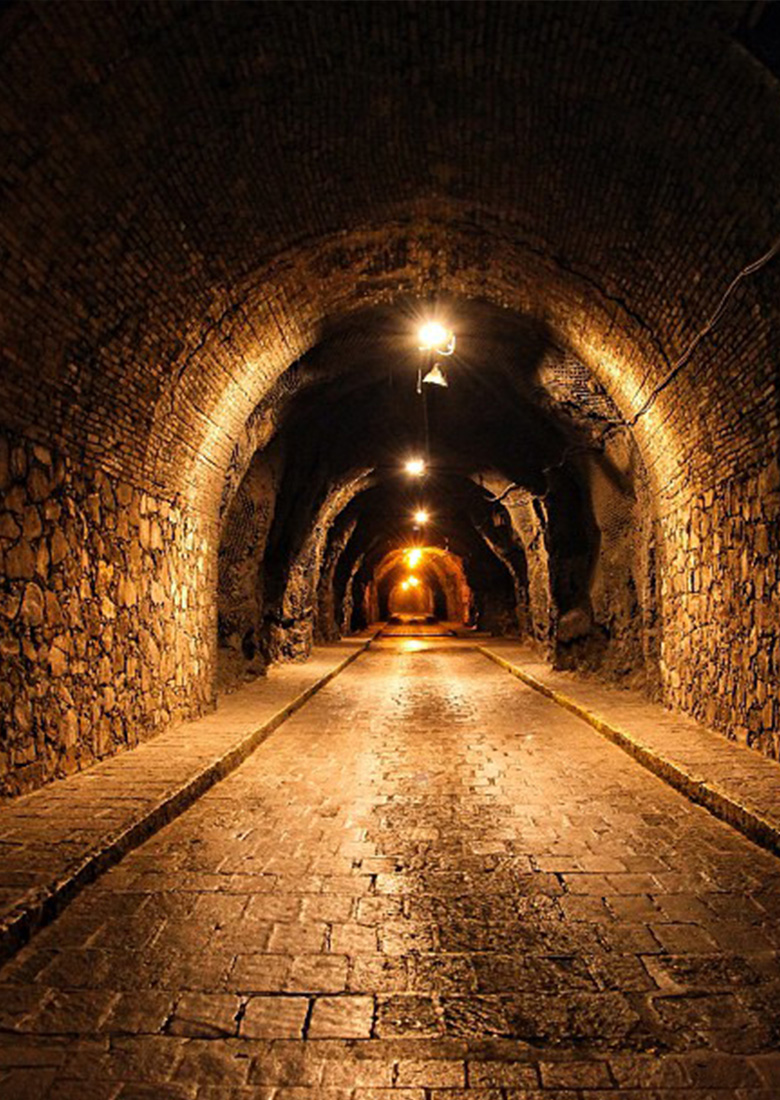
(193, 191)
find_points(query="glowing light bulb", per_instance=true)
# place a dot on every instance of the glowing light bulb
(432, 334)
(421, 516)
(435, 337)
(415, 467)
(413, 582)
(413, 557)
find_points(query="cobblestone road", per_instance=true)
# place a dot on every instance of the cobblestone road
(431, 883)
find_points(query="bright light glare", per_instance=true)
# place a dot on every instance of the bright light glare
(421, 516)
(405, 586)
(413, 557)
(435, 337)
(413, 582)
(415, 467)
(432, 335)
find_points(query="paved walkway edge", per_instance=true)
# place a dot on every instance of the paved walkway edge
(43, 904)
(719, 803)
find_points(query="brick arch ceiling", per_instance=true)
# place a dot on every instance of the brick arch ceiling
(193, 188)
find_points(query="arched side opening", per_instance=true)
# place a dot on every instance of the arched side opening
(587, 529)
(241, 570)
(528, 521)
(328, 622)
(290, 609)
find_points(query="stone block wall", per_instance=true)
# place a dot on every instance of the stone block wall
(720, 650)
(154, 290)
(106, 615)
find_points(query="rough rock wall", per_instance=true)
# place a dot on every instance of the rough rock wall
(514, 617)
(606, 632)
(493, 614)
(106, 615)
(451, 576)
(527, 519)
(327, 623)
(289, 632)
(240, 570)
(352, 602)
(718, 523)
(617, 584)
(528, 522)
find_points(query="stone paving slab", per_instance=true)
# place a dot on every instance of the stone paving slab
(342, 1070)
(731, 781)
(56, 840)
(431, 883)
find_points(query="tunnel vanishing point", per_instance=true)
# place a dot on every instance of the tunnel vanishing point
(316, 317)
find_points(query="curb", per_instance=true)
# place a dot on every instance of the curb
(43, 904)
(719, 803)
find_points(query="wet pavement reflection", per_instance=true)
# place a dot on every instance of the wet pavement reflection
(431, 879)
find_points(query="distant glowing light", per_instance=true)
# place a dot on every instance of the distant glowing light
(404, 586)
(421, 516)
(412, 582)
(413, 557)
(415, 467)
(433, 336)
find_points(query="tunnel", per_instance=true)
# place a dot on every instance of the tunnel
(422, 580)
(389, 530)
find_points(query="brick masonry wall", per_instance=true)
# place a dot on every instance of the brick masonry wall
(191, 194)
(143, 231)
(106, 615)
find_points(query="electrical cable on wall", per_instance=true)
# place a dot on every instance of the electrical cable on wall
(681, 363)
